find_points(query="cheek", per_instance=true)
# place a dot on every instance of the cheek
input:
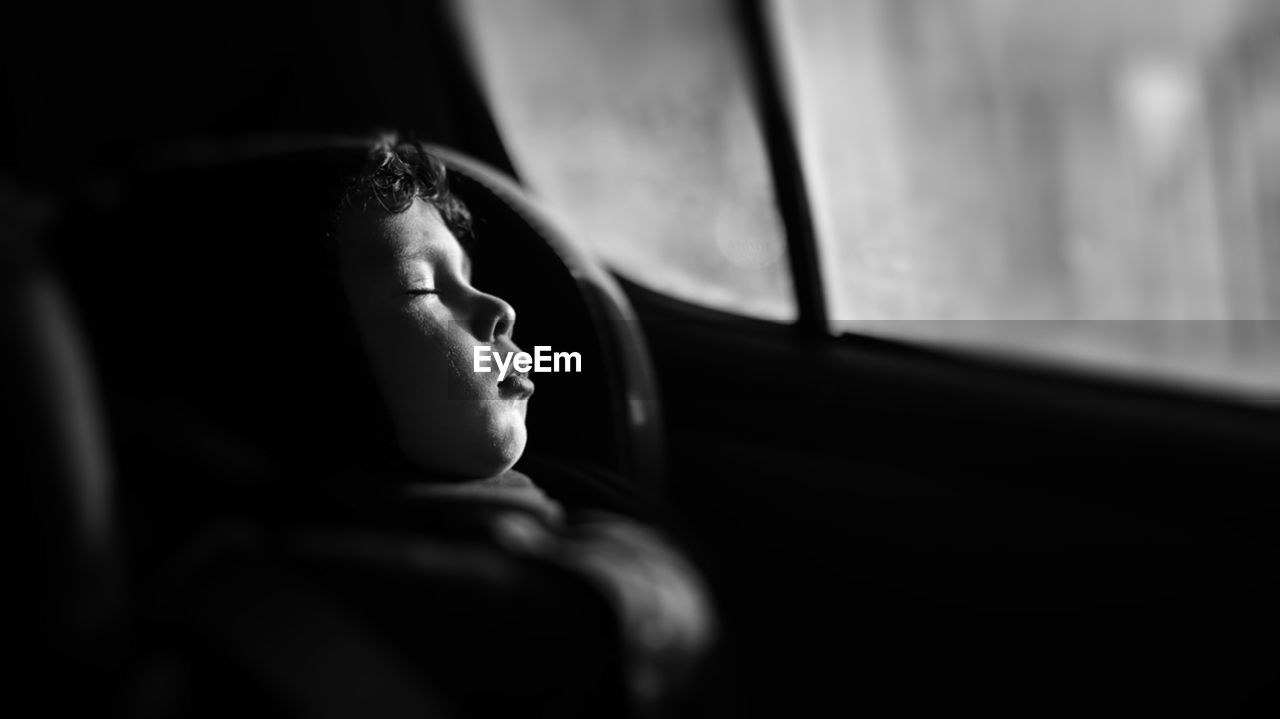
(458, 361)
(431, 383)
(407, 356)
(447, 416)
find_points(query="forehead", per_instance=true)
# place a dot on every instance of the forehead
(418, 233)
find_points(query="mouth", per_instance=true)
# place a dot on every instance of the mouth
(516, 385)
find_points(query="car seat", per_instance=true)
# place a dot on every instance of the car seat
(607, 416)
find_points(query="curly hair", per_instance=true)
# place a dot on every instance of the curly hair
(395, 173)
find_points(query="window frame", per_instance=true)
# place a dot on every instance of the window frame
(790, 187)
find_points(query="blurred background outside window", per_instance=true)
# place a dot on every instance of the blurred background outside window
(634, 121)
(1094, 181)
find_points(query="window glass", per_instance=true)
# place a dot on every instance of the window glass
(633, 121)
(1094, 180)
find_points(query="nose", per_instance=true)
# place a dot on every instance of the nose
(492, 317)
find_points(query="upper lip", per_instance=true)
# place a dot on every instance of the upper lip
(513, 373)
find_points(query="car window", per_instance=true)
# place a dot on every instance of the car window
(633, 121)
(1093, 180)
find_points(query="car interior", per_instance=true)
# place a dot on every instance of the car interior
(888, 525)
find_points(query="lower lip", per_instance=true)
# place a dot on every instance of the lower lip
(518, 386)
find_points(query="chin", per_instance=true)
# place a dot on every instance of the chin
(511, 452)
(488, 459)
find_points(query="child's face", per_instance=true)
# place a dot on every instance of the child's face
(409, 285)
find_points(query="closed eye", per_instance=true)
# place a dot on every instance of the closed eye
(419, 293)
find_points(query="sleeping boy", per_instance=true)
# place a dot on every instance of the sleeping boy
(522, 581)
(292, 342)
